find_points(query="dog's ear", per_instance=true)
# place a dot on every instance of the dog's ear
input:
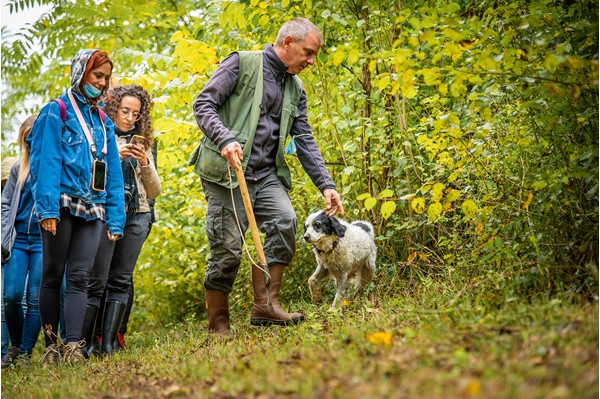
(338, 228)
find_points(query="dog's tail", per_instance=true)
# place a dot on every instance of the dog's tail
(366, 226)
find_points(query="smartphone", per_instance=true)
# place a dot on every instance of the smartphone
(99, 175)
(137, 139)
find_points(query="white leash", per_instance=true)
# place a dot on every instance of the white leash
(239, 226)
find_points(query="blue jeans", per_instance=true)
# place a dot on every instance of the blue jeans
(4, 334)
(22, 274)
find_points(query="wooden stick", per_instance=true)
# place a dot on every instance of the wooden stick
(252, 221)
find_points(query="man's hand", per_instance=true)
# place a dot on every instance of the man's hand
(233, 153)
(333, 202)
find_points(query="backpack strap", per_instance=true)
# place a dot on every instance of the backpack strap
(63, 109)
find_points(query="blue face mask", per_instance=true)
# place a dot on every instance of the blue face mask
(91, 91)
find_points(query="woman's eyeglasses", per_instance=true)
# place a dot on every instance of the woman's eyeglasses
(126, 112)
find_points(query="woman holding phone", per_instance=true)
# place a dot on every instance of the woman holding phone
(77, 184)
(129, 107)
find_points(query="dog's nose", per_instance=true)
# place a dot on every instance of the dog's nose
(306, 237)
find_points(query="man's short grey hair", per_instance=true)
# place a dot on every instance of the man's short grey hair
(298, 29)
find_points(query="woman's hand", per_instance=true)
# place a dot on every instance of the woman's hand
(50, 225)
(136, 151)
(113, 237)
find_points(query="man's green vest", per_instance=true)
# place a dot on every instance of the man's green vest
(240, 115)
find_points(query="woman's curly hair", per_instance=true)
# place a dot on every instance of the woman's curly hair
(143, 127)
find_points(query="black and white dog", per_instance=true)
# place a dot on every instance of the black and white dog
(344, 251)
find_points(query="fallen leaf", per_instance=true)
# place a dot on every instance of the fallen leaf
(380, 338)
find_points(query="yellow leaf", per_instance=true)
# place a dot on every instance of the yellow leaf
(344, 303)
(413, 41)
(380, 338)
(479, 227)
(338, 57)
(434, 211)
(285, 3)
(446, 205)
(264, 20)
(418, 205)
(457, 89)
(386, 193)
(353, 56)
(372, 65)
(412, 256)
(176, 36)
(263, 5)
(528, 202)
(469, 207)
(430, 76)
(384, 82)
(363, 196)
(424, 257)
(453, 195)
(387, 209)
(409, 91)
(472, 388)
(408, 85)
(370, 203)
(437, 191)
(443, 89)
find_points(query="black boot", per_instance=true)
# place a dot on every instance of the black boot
(87, 332)
(113, 316)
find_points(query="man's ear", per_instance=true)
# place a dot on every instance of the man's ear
(287, 41)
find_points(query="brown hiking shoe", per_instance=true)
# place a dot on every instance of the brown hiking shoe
(73, 353)
(50, 356)
(11, 354)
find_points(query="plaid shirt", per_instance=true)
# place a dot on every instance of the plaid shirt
(78, 207)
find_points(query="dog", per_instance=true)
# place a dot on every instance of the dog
(344, 251)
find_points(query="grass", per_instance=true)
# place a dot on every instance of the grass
(390, 348)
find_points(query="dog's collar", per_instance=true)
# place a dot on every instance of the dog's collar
(333, 246)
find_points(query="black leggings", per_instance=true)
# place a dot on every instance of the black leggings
(74, 246)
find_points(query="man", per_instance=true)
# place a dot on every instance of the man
(246, 111)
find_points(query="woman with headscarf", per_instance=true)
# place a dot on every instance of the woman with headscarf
(77, 184)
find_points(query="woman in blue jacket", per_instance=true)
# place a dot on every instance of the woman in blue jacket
(21, 257)
(77, 184)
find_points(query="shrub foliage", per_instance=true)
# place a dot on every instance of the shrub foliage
(466, 131)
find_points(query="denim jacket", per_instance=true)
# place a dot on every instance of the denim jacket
(61, 162)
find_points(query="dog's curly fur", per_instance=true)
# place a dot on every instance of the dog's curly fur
(344, 251)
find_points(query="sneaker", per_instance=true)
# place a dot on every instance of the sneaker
(73, 352)
(50, 356)
(11, 353)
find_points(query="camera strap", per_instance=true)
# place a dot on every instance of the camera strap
(85, 128)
